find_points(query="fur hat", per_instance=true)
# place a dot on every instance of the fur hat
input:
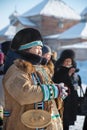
(25, 37)
(46, 49)
(68, 53)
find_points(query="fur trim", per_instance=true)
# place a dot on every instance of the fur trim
(50, 66)
(68, 53)
(24, 66)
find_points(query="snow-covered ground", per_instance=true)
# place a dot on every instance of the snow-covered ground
(78, 124)
(82, 65)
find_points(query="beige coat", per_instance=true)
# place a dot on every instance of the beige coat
(1, 92)
(21, 94)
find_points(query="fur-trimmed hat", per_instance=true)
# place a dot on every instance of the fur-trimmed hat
(68, 53)
(46, 49)
(26, 38)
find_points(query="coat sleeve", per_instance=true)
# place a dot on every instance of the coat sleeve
(21, 89)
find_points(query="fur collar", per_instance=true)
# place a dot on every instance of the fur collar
(32, 58)
(13, 55)
(24, 66)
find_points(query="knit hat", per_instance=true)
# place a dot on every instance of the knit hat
(68, 53)
(46, 49)
(26, 38)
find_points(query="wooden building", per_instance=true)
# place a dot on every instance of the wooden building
(50, 17)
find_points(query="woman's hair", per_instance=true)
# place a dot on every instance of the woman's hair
(25, 36)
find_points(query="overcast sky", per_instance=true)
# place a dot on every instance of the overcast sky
(7, 7)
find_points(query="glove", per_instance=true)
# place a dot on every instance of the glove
(62, 90)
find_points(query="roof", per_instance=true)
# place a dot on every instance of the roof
(54, 36)
(77, 31)
(25, 21)
(21, 19)
(8, 31)
(56, 8)
(84, 12)
(3, 30)
(82, 45)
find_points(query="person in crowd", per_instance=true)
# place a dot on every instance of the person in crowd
(46, 52)
(1, 117)
(1, 76)
(47, 61)
(5, 46)
(29, 91)
(2, 58)
(1, 89)
(65, 69)
(49, 64)
(54, 57)
(85, 120)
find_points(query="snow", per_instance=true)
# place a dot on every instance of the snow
(84, 12)
(54, 36)
(9, 31)
(82, 65)
(55, 8)
(78, 124)
(25, 21)
(82, 45)
(77, 31)
(2, 32)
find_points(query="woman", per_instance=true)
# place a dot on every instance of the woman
(85, 121)
(47, 61)
(29, 91)
(64, 71)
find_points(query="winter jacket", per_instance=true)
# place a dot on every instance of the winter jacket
(21, 95)
(69, 114)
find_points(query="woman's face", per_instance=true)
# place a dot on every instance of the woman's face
(35, 50)
(67, 62)
(47, 56)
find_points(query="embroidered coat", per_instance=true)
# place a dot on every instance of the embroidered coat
(21, 94)
(59, 102)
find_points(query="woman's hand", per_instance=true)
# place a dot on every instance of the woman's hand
(62, 90)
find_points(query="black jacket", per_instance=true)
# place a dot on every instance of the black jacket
(70, 103)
